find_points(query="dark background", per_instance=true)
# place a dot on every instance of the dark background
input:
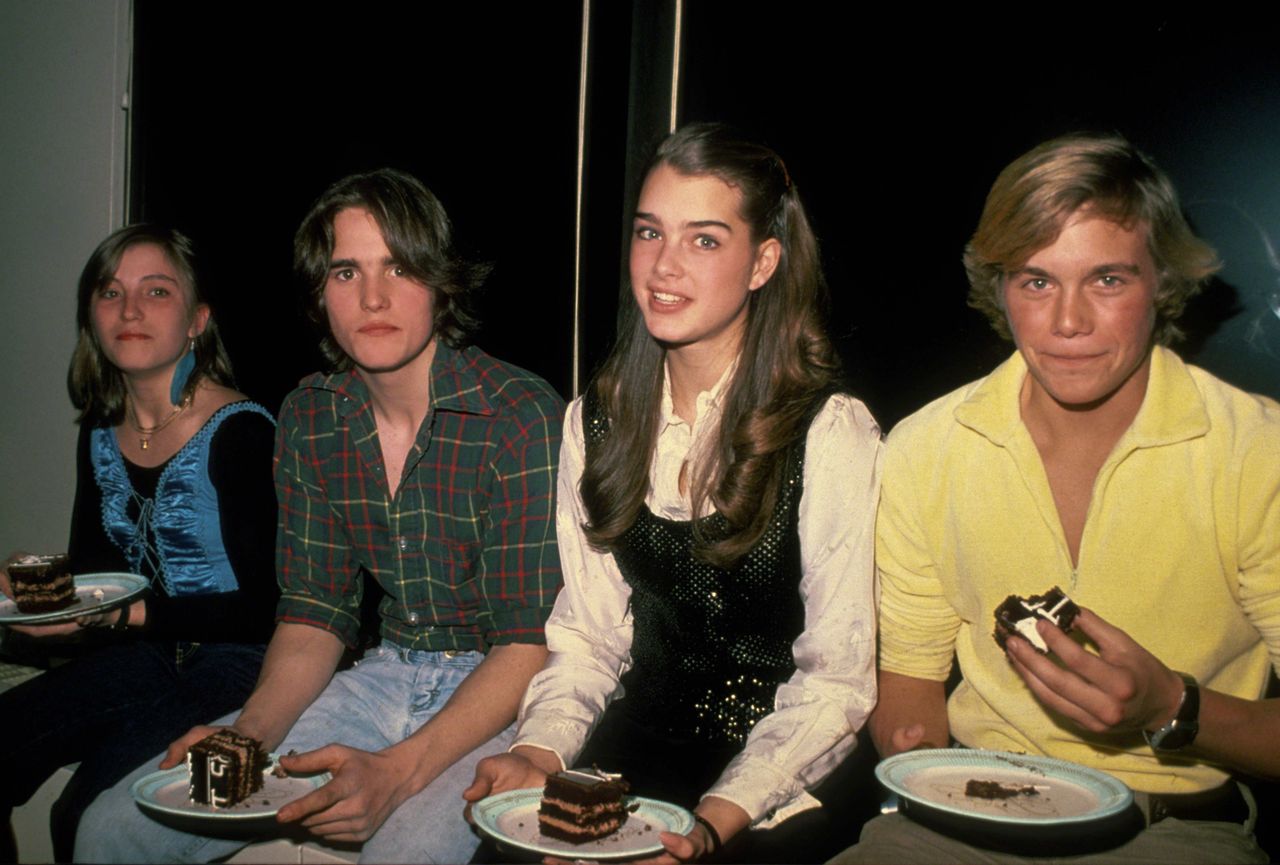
(895, 137)
(238, 126)
(892, 135)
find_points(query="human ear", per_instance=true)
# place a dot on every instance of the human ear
(768, 255)
(199, 320)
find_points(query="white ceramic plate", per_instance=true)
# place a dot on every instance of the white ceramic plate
(1066, 793)
(512, 818)
(96, 593)
(165, 792)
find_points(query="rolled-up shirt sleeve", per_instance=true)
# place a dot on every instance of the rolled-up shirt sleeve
(318, 574)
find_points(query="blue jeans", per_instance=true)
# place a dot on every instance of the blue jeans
(387, 696)
(107, 710)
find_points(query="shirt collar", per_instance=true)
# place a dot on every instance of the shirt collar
(1172, 409)
(456, 384)
(705, 406)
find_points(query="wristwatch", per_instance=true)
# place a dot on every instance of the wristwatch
(1182, 730)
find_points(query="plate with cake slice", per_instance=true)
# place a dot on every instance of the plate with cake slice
(45, 593)
(1003, 787)
(1007, 797)
(225, 779)
(580, 815)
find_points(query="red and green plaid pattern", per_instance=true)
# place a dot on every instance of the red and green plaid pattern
(466, 551)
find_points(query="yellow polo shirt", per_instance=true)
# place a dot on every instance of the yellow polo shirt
(1181, 549)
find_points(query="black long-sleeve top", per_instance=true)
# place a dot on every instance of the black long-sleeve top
(239, 466)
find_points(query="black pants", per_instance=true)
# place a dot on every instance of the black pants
(110, 711)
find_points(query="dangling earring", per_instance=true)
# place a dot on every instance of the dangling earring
(181, 373)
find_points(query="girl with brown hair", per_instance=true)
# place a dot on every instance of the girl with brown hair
(173, 484)
(715, 640)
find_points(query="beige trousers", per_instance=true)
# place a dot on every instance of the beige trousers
(895, 838)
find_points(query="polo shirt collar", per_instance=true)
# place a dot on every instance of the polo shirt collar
(1172, 409)
(991, 409)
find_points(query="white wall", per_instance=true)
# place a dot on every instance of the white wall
(63, 77)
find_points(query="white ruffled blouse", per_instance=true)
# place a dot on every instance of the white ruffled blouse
(819, 710)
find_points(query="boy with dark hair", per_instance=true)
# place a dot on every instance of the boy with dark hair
(429, 466)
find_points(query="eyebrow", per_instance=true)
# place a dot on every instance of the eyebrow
(1029, 271)
(700, 223)
(1129, 268)
(1110, 267)
(164, 276)
(338, 263)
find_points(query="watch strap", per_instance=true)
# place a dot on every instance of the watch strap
(1182, 730)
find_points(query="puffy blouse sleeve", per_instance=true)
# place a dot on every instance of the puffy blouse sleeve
(589, 631)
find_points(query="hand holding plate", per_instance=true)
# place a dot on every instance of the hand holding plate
(117, 617)
(679, 848)
(728, 820)
(61, 629)
(1122, 688)
(177, 752)
(6, 588)
(366, 787)
(684, 848)
(906, 738)
(511, 771)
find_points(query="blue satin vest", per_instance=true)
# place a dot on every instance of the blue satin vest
(183, 516)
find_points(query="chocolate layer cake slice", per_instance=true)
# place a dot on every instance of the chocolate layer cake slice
(226, 768)
(42, 584)
(581, 806)
(1019, 616)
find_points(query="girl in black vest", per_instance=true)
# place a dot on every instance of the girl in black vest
(715, 640)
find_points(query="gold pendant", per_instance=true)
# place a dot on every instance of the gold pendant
(144, 442)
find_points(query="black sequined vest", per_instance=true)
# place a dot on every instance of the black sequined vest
(710, 645)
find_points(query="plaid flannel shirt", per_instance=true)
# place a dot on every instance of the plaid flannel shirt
(465, 550)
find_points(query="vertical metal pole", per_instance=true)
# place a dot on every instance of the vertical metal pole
(677, 26)
(580, 196)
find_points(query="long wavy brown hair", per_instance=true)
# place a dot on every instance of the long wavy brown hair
(785, 363)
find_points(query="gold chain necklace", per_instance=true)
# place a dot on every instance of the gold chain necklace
(146, 432)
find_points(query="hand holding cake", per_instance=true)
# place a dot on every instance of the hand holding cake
(1123, 687)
